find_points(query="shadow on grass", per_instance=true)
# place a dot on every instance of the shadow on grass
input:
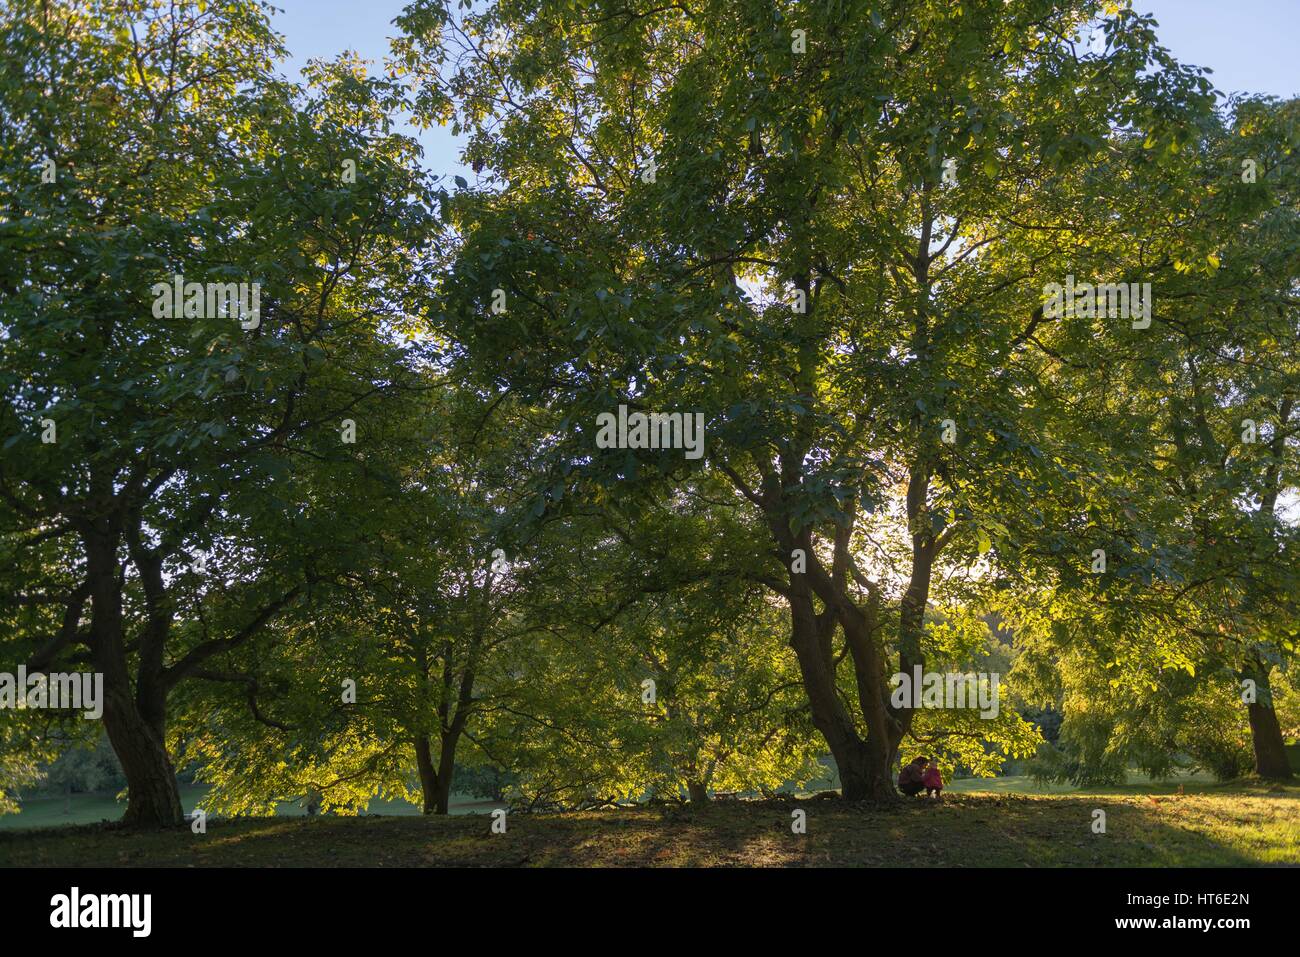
(964, 830)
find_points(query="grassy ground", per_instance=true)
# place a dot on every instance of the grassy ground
(102, 808)
(1206, 825)
(44, 812)
(1135, 784)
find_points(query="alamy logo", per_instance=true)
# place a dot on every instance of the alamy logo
(75, 691)
(212, 300)
(103, 910)
(654, 430)
(952, 689)
(1103, 301)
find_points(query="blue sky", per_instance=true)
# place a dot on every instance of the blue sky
(1248, 43)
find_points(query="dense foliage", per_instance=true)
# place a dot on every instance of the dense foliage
(380, 534)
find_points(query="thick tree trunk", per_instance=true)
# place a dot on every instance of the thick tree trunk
(1266, 735)
(883, 729)
(697, 791)
(865, 776)
(864, 770)
(1265, 732)
(153, 798)
(136, 728)
(435, 780)
(865, 765)
(428, 774)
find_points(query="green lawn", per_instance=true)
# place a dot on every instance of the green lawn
(98, 808)
(1136, 784)
(1207, 825)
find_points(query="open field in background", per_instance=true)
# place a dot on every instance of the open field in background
(97, 808)
(100, 807)
(1147, 825)
(1136, 783)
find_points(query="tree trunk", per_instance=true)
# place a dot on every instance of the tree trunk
(864, 771)
(446, 770)
(136, 728)
(869, 777)
(1265, 732)
(435, 781)
(428, 774)
(865, 765)
(699, 794)
(153, 798)
(883, 729)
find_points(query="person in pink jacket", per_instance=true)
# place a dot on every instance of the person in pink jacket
(933, 780)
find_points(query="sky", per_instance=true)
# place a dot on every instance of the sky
(1249, 44)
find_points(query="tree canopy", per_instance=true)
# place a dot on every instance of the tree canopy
(778, 354)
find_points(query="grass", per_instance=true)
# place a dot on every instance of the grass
(45, 812)
(1136, 783)
(1207, 825)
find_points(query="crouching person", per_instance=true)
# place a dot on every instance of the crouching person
(910, 779)
(933, 780)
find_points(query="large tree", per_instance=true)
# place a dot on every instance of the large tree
(140, 142)
(827, 229)
(1204, 409)
(390, 669)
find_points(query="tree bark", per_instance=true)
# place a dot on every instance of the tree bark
(153, 798)
(135, 723)
(864, 770)
(864, 765)
(428, 774)
(435, 780)
(1265, 732)
(697, 791)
